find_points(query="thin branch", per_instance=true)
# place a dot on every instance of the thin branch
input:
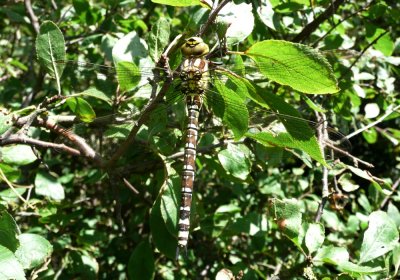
(312, 26)
(322, 136)
(23, 139)
(361, 54)
(84, 149)
(355, 159)
(211, 18)
(341, 21)
(394, 188)
(129, 185)
(32, 16)
(4, 178)
(380, 119)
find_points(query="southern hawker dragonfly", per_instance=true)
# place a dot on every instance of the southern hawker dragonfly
(198, 83)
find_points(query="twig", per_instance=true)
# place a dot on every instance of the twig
(380, 119)
(322, 136)
(312, 26)
(361, 54)
(4, 178)
(341, 21)
(83, 148)
(129, 185)
(394, 187)
(22, 139)
(347, 154)
(32, 16)
(212, 17)
(80, 143)
(44, 267)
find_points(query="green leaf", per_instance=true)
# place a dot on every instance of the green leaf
(50, 47)
(380, 237)
(300, 136)
(361, 173)
(163, 239)
(12, 173)
(33, 250)
(394, 214)
(235, 160)
(250, 224)
(358, 270)
(9, 231)
(228, 209)
(81, 6)
(232, 108)
(118, 131)
(385, 44)
(127, 74)
(396, 258)
(141, 262)
(158, 38)
(18, 154)
(288, 216)
(332, 255)
(295, 65)
(132, 48)
(347, 183)
(315, 236)
(81, 108)
(48, 186)
(240, 21)
(10, 268)
(178, 3)
(5, 123)
(170, 202)
(287, 141)
(94, 92)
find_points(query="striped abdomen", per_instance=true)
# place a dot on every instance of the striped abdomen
(189, 169)
(194, 76)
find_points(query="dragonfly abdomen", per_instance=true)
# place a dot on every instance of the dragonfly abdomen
(194, 75)
(189, 169)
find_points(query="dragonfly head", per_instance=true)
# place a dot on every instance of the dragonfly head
(194, 47)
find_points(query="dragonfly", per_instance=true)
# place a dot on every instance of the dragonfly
(199, 82)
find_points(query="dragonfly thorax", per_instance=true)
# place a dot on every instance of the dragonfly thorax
(194, 75)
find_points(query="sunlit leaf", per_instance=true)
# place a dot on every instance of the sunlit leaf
(48, 186)
(380, 237)
(127, 75)
(158, 38)
(10, 268)
(33, 250)
(9, 231)
(178, 3)
(81, 108)
(315, 236)
(294, 65)
(235, 160)
(50, 48)
(18, 154)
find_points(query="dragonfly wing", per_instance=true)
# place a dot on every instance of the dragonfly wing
(78, 76)
(293, 131)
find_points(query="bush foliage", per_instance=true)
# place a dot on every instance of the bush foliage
(92, 135)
